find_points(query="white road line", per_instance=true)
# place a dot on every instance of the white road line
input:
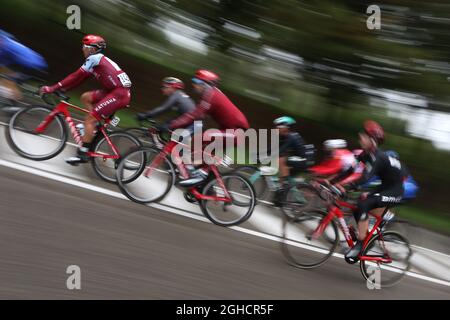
(85, 185)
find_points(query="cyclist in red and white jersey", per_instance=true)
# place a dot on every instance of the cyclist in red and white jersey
(339, 159)
(215, 104)
(341, 166)
(114, 95)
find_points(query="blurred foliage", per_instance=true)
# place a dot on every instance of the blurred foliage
(312, 59)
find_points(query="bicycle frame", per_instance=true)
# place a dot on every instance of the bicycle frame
(334, 211)
(167, 151)
(62, 108)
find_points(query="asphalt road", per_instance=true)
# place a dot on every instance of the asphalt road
(128, 251)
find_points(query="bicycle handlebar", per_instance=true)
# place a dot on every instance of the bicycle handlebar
(57, 93)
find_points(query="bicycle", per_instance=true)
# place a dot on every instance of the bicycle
(383, 249)
(225, 199)
(295, 199)
(39, 133)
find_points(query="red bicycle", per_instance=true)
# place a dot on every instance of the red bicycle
(385, 256)
(226, 200)
(39, 133)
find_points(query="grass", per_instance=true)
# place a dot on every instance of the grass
(429, 219)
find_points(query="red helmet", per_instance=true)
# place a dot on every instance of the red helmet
(207, 76)
(173, 83)
(94, 41)
(374, 130)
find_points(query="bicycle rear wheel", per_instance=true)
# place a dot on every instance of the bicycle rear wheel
(150, 184)
(124, 142)
(388, 243)
(238, 210)
(23, 139)
(300, 248)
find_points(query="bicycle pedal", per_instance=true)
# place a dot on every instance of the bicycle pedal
(189, 197)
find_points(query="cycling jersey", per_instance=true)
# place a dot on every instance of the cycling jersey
(410, 186)
(341, 161)
(106, 71)
(292, 144)
(177, 101)
(13, 52)
(219, 107)
(388, 169)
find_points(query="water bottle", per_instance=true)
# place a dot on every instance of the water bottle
(80, 128)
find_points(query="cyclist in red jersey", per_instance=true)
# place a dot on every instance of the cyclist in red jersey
(102, 103)
(340, 167)
(216, 104)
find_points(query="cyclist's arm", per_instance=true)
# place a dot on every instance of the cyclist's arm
(347, 176)
(71, 81)
(367, 175)
(189, 117)
(327, 167)
(166, 106)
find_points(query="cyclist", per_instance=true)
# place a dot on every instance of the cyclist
(13, 52)
(216, 104)
(388, 169)
(339, 162)
(177, 100)
(292, 153)
(103, 103)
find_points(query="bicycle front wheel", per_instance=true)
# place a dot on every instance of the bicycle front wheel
(142, 135)
(23, 139)
(124, 142)
(300, 198)
(150, 184)
(388, 244)
(301, 247)
(232, 213)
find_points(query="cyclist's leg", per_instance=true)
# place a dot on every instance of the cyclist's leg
(284, 170)
(101, 106)
(373, 201)
(89, 100)
(212, 135)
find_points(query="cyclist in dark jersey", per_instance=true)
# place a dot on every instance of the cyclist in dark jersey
(291, 154)
(177, 100)
(388, 169)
